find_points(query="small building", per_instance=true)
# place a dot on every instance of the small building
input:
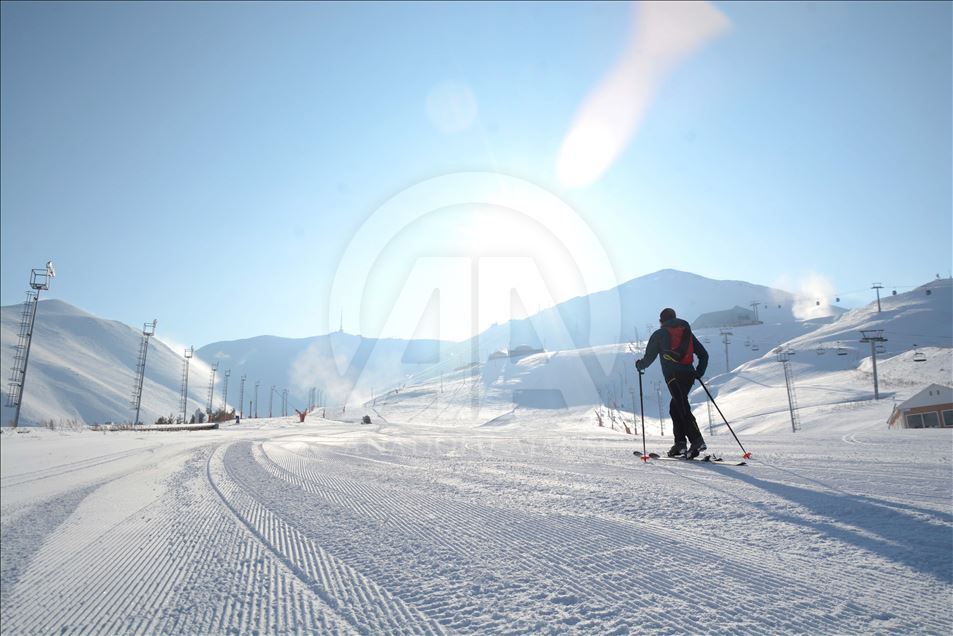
(524, 350)
(930, 408)
(734, 317)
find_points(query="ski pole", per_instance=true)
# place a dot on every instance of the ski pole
(645, 456)
(746, 455)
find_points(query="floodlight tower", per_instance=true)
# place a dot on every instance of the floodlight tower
(724, 336)
(271, 399)
(784, 357)
(257, 384)
(873, 336)
(284, 402)
(211, 389)
(148, 330)
(241, 397)
(39, 281)
(228, 372)
(184, 400)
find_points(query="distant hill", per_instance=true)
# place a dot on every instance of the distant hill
(82, 368)
(341, 365)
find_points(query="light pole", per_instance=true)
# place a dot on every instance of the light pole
(241, 397)
(211, 390)
(148, 330)
(257, 383)
(39, 280)
(784, 357)
(271, 399)
(228, 372)
(185, 382)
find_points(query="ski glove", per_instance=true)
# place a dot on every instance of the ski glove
(638, 365)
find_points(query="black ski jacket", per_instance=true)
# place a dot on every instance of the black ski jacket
(661, 343)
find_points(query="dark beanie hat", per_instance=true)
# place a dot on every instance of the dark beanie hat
(667, 314)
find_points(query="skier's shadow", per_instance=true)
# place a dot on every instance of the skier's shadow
(882, 527)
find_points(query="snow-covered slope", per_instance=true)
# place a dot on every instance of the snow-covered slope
(570, 383)
(82, 369)
(324, 527)
(826, 383)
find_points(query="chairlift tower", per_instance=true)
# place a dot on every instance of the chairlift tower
(148, 330)
(228, 372)
(241, 397)
(873, 336)
(39, 281)
(878, 287)
(724, 338)
(257, 384)
(184, 399)
(271, 399)
(754, 306)
(211, 390)
(784, 357)
(284, 402)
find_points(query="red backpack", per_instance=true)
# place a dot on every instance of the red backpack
(682, 351)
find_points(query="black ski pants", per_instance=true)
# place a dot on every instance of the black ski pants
(683, 421)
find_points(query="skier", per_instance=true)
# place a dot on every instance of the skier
(678, 346)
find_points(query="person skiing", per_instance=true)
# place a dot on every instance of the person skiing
(678, 346)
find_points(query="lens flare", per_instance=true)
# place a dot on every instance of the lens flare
(663, 34)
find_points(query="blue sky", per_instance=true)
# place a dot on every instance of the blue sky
(210, 164)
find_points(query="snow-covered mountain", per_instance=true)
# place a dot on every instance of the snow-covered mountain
(832, 371)
(82, 368)
(629, 311)
(353, 368)
(340, 365)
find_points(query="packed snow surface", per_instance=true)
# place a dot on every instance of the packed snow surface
(535, 524)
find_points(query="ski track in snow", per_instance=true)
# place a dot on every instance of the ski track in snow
(342, 529)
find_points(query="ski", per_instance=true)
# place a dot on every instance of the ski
(703, 459)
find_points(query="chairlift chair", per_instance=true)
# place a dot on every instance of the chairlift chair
(918, 356)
